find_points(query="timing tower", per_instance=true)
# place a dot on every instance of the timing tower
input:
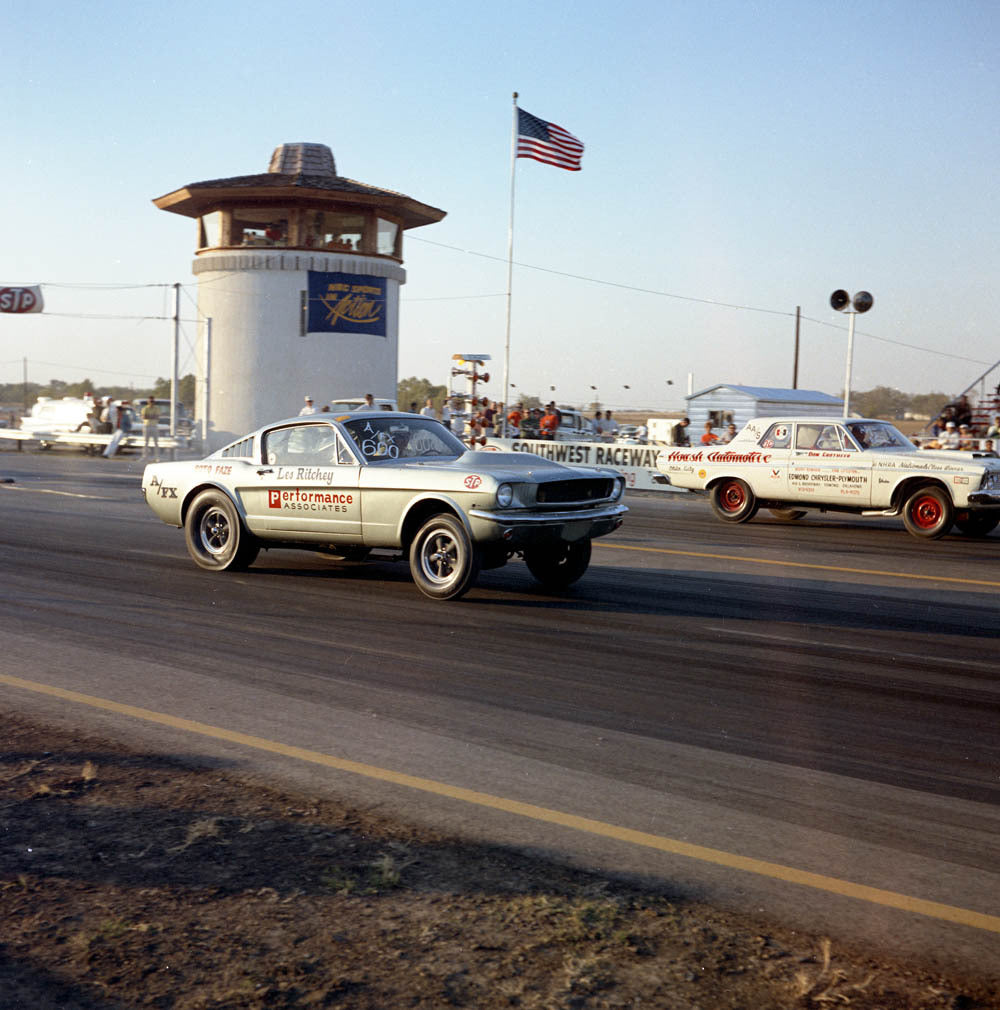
(299, 270)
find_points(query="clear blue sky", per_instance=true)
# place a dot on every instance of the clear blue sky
(737, 154)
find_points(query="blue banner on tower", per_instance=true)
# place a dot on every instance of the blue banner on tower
(346, 303)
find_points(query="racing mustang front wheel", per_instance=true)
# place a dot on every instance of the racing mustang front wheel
(977, 524)
(215, 535)
(733, 501)
(444, 562)
(928, 513)
(557, 566)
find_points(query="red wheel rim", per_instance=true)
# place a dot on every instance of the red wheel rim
(733, 497)
(926, 512)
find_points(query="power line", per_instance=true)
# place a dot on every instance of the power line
(99, 315)
(84, 368)
(686, 298)
(103, 287)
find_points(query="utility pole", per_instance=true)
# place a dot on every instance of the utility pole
(173, 367)
(795, 369)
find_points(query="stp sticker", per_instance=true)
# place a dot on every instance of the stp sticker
(473, 480)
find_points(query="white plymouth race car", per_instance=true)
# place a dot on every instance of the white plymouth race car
(348, 484)
(867, 467)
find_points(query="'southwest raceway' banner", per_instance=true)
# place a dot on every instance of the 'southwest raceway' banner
(636, 463)
(346, 303)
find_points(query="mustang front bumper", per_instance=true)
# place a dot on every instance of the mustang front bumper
(521, 529)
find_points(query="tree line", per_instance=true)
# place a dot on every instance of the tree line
(26, 393)
(882, 401)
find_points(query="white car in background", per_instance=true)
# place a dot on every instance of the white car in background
(866, 467)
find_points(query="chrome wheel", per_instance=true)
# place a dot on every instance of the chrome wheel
(443, 562)
(215, 535)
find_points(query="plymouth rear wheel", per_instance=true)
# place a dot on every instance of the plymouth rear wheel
(733, 501)
(978, 524)
(928, 513)
(215, 535)
(444, 562)
(788, 514)
(557, 566)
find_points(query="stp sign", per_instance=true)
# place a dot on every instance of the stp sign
(21, 299)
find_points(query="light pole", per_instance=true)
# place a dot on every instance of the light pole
(842, 302)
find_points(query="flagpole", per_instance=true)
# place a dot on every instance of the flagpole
(510, 273)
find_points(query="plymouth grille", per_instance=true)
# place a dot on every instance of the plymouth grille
(583, 490)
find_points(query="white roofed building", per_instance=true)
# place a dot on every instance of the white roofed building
(727, 403)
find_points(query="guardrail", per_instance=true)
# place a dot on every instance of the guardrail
(92, 440)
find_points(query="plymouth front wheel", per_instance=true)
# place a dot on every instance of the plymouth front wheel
(928, 513)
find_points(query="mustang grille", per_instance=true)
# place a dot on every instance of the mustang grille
(584, 489)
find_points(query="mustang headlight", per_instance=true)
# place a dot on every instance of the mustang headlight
(619, 489)
(505, 495)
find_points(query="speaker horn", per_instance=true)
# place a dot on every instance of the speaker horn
(840, 299)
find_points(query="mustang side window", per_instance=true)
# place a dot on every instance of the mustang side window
(302, 445)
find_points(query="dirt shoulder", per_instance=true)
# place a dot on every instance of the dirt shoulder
(130, 879)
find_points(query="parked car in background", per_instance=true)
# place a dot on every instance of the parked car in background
(57, 415)
(382, 480)
(793, 464)
(343, 405)
(185, 422)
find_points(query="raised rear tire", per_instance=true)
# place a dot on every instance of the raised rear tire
(928, 513)
(733, 501)
(215, 535)
(978, 524)
(444, 562)
(787, 514)
(557, 566)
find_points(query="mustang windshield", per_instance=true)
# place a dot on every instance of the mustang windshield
(381, 438)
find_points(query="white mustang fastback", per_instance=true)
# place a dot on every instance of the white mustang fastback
(348, 484)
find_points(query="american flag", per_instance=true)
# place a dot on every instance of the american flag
(547, 142)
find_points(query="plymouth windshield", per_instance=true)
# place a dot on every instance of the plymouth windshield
(878, 435)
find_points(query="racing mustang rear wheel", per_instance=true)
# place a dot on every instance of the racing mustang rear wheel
(557, 566)
(733, 501)
(444, 562)
(788, 514)
(215, 535)
(928, 513)
(977, 524)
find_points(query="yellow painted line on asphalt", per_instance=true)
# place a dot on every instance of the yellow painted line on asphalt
(797, 564)
(789, 874)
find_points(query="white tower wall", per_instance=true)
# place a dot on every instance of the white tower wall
(260, 366)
